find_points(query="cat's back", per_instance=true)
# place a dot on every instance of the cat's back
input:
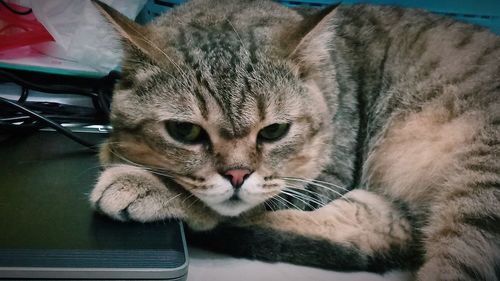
(430, 88)
(420, 54)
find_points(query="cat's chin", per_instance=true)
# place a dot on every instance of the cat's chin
(231, 208)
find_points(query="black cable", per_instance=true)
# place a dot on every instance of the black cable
(57, 108)
(105, 92)
(103, 103)
(54, 117)
(50, 123)
(26, 117)
(100, 93)
(56, 89)
(24, 95)
(27, 12)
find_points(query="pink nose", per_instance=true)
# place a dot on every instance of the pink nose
(237, 176)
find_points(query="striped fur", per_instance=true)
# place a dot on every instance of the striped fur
(391, 159)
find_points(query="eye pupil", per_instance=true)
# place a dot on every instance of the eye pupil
(185, 132)
(184, 128)
(273, 132)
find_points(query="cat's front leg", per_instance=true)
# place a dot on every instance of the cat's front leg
(363, 231)
(126, 192)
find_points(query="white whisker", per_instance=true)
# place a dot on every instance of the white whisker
(173, 197)
(187, 197)
(298, 197)
(279, 201)
(154, 170)
(196, 199)
(288, 202)
(331, 184)
(159, 173)
(317, 181)
(268, 204)
(307, 197)
(317, 194)
(272, 202)
(318, 185)
(235, 31)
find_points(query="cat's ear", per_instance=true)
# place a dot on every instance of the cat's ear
(310, 47)
(132, 32)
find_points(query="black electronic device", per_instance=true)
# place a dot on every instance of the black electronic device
(48, 230)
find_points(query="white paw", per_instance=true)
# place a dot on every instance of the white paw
(130, 193)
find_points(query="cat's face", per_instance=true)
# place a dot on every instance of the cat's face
(223, 115)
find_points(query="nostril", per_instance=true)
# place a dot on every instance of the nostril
(237, 176)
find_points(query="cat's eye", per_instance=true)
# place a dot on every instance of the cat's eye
(185, 132)
(273, 132)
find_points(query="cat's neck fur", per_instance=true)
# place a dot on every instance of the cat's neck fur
(360, 70)
(360, 57)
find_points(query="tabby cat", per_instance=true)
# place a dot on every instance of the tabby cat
(352, 138)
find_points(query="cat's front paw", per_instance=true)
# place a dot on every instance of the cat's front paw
(130, 193)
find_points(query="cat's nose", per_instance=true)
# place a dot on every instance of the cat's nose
(237, 176)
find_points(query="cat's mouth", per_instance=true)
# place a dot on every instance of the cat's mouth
(227, 200)
(235, 198)
(233, 206)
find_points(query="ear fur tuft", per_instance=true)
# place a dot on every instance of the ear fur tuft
(315, 32)
(129, 30)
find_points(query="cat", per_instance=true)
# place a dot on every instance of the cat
(351, 138)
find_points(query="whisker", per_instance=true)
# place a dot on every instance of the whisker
(235, 31)
(278, 202)
(154, 170)
(317, 194)
(173, 197)
(331, 184)
(268, 205)
(196, 199)
(281, 201)
(316, 181)
(128, 161)
(275, 204)
(272, 202)
(319, 185)
(187, 197)
(296, 186)
(307, 197)
(159, 173)
(288, 202)
(338, 215)
(296, 196)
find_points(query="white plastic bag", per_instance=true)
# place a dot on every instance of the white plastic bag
(81, 33)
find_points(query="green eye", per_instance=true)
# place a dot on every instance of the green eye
(185, 132)
(273, 132)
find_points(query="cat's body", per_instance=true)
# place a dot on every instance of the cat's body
(399, 105)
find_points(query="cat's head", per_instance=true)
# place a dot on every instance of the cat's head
(226, 98)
